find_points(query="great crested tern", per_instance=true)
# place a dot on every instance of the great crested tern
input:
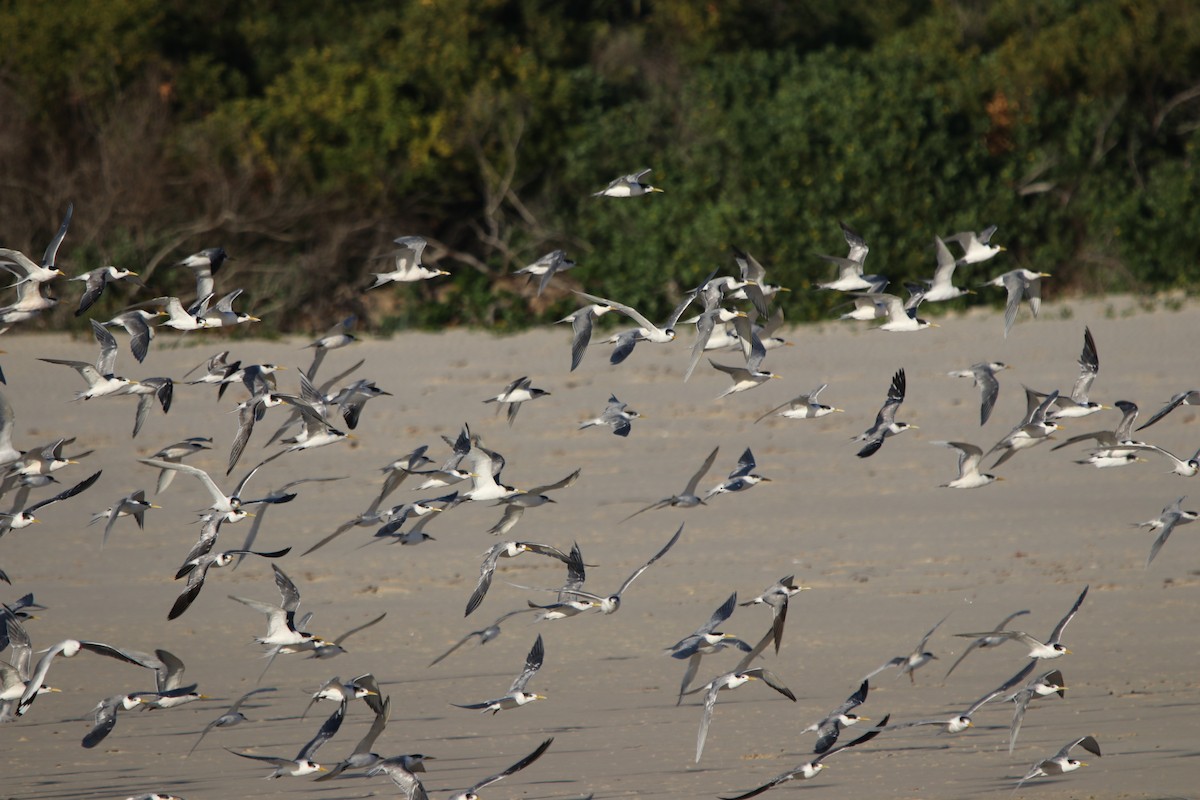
(197, 569)
(647, 330)
(44, 460)
(232, 716)
(365, 687)
(303, 763)
(706, 323)
(506, 550)
(830, 726)
(1109, 442)
(545, 268)
(170, 688)
(811, 769)
(901, 317)
(850, 269)
(912, 662)
(362, 757)
(617, 416)
(281, 619)
(391, 519)
(969, 476)
(958, 723)
(941, 287)
(137, 324)
(68, 648)
(582, 321)
(976, 247)
(777, 596)
(628, 186)
(46, 271)
(1189, 397)
(1078, 404)
(751, 375)
(519, 391)
(611, 603)
(133, 505)
(401, 770)
(99, 376)
(688, 497)
(885, 421)
(204, 265)
(1052, 648)
(984, 375)
(986, 640)
(1034, 429)
(105, 717)
(149, 391)
(230, 505)
(1185, 468)
(95, 282)
(742, 674)
(516, 696)
(408, 266)
(802, 406)
(516, 505)
(17, 520)
(484, 635)
(704, 641)
(1171, 517)
(1019, 283)
(222, 315)
(741, 478)
(174, 453)
(1061, 762)
(1044, 685)
(339, 336)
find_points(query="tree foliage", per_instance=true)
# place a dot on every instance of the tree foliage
(305, 136)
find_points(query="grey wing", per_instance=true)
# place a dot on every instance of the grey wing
(1022, 702)
(892, 662)
(1088, 743)
(108, 349)
(1056, 634)
(989, 390)
(581, 328)
(690, 489)
(772, 680)
(533, 662)
(653, 558)
(720, 615)
(326, 732)
(689, 672)
(287, 590)
(1034, 292)
(624, 347)
(1016, 287)
(362, 627)
(93, 287)
(858, 245)
(106, 720)
(1089, 366)
(51, 254)
(710, 702)
(233, 709)
(78, 488)
(486, 569)
(744, 466)
(560, 484)
(925, 638)
(517, 767)
(704, 329)
(1162, 539)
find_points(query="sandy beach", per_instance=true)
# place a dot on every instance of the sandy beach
(886, 551)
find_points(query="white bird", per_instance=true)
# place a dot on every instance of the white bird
(976, 247)
(984, 375)
(1052, 648)
(303, 764)
(617, 416)
(740, 479)
(99, 376)
(885, 421)
(204, 266)
(409, 268)
(688, 497)
(941, 287)
(987, 640)
(803, 406)
(1171, 517)
(95, 282)
(647, 332)
(969, 476)
(628, 186)
(1019, 283)
(545, 268)
(910, 663)
(46, 271)
(519, 391)
(1061, 762)
(850, 269)
(516, 696)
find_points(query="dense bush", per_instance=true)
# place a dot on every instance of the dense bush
(305, 136)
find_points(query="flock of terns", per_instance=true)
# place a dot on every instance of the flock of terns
(734, 315)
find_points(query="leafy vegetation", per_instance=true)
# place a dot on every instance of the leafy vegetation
(304, 137)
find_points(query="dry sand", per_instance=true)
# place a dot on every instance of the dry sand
(887, 553)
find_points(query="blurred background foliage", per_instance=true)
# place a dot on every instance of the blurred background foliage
(304, 137)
